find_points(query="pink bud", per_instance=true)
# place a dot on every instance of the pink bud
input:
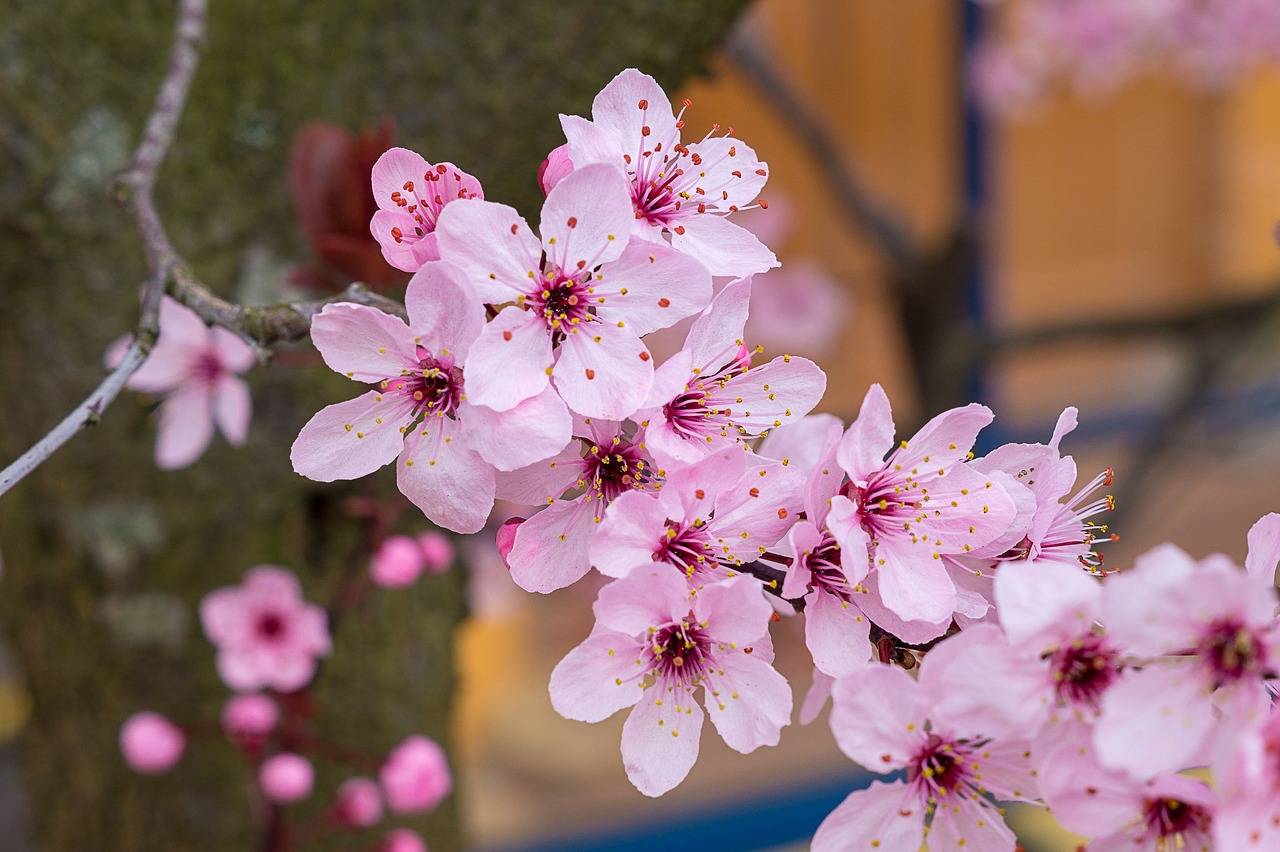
(248, 719)
(150, 743)
(506, 538)
(555, 168)
(416, 776)
(437, 549)
(403, 840)
(358, 802)
(397, 563)
(286, 778)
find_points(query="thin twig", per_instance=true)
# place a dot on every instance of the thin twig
(135, 188)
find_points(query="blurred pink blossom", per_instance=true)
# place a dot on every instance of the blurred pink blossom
(416, 776)
(267, 635)
(248, 719)
(150, 743)
(403, 840)
(437, 550)
(286, 778)
(195, 368)
(358, 802)
(397, 563)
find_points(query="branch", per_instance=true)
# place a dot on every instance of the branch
(135, 189)
(866, 212)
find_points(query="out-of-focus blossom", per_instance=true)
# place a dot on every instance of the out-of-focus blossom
(267, 635)
(249, 719)
(403, 840)
(150, 743)
(358, 802)
(437, 551)
(329, 184)
(397, 562)
(415, 777)
(286, 778)
(196, 369)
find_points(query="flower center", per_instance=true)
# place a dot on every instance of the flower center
(884, 505)
(1165, 818)
(563, 302)
(269, 626)
(680, 652)
(823, 563)
(435, 386)
(1083, 670)
(1234, 652)
(207, 369)
(687, 547)
(617, 469)
(940, 768)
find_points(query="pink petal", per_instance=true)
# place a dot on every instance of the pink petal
(735, 609)
(732, 171)
(232, 353)
(590, 143)
(541, 482)
(863, 447)
(272, 583)
(717, 334)
(946, 438)
(1264, 549)
(1038, 603)
(450, 483)
(660, 741)
(345, 441)
(646, 598)
(492, 245)
(616, 109)
(603, 371)
(551, 548)
(746, 522)
(816, 697)
(1136, 604)
(1083, 795)
(804, 443)
(873, 709)
(883, 816)
(963, 672)
(363, 343)
(598, 678)
(163, 370)
(232, 407)
(630, 534)
(777, 393)
(802, 539)
(912, 631)
(753, 705)
(508, 362)
(535, 429)
(405, 255)
(699, 486)
(444, 313)
(1153, 721)
(651, 287)
(843, 522)
(837, 634)
(555, 168)
(181, 327)
(587, 218)
(186, 426)
(223, 616)
(393, 169)
(722, 247)
(974, 824)
(915, 588)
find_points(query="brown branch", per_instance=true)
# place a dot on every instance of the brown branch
(135, 190)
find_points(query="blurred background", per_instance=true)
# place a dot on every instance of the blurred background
(957, 227)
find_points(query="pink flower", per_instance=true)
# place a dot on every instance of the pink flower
(415, 777)
(419, 408)
(411, 193)
(403, 840)
(437, 551)
(555, 168)
(150, 743)
(1167, 812)
(358, 802)
(652, 646)
(397, 563)
(684, 191)
(708, 395)
(195, 368)
(583, 295)
(1209, 631)
(248, 719)
(886, 721)
(267, 635)
(708, 519)
(286, 778)
(910, 510)
(1247, 776)
(551, 550)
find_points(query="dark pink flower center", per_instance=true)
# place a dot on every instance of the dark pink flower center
(618, 468)
(1166, 818)
(564, 301)
(434, 386)
(1233, 651)
(826, 575)
(206, 368)
(681, 652)
(687, 547)
(1083, 669)
(941, 767)
(270, 626)
(886, 504)
(424, 200)
(705, 408)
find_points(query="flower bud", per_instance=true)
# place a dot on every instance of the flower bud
(358, 802)
(437, 550)
(397, 563)
(416, 776)
(150, 743)
(286, 778)
(247, 720)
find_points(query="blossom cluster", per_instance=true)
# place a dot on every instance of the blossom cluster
(1097, 44)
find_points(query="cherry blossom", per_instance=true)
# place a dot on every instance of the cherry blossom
(247, 720)
(403, 840)
(886, 721)
(707, 520)
(684, 191)
(267, 635)
(1209, 631)
(418, 408)
(709, 395)
(411, 193)
(652, 646)
(583, 295)
(358, 802)
(286, 778)
(195, 368)
(910, 510)
(1247, 776)
(552, 549)
(150, 743)
(415, 777)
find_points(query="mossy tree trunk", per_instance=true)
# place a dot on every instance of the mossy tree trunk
(105, 557)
